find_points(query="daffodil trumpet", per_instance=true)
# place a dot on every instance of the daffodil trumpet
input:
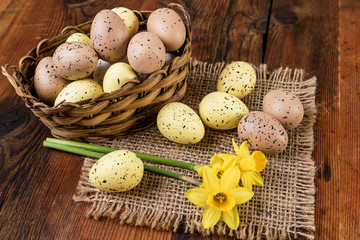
(74, 148)
(103, 149)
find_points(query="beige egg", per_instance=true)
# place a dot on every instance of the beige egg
(146, 53)
(118, 171)
(48, 84)
(75, 60)
(180, 124)
(219, 110)
(117, 75)
(263, 132)
(285, 107)
(100, 70)
(79, 90)
(129, 18)
(79, 37)
(168, 26)
(238, 79)
(109, 36)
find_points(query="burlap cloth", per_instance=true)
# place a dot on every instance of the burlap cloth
(283, 207)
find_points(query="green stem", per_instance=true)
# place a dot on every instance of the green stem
(88, 153)
(146, 157)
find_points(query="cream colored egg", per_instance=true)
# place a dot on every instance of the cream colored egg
(238, 79)
(129, 18)
(79, 37)
(180, 124)
(116, 75)
(117, 171)
(79, 90)
(220, 110)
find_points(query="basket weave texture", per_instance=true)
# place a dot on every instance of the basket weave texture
(133, 107)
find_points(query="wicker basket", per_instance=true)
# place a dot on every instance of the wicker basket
(131, 108)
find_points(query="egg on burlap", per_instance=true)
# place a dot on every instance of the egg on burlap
(118, 171)
(285, 107)
(179, 123)
(263, 132)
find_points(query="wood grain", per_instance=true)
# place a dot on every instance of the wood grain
(37, 184)
(303, 34)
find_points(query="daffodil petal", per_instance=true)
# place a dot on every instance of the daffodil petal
(231, 218)
(201, 171)
(251, 178)
(197, 196)
(211, 181)
(227, 157)
(216, 161)
(242, 195)
(230, 179)
(260, 160)
(229, 162)
(211, 217)
(257, 179)
(244, 150)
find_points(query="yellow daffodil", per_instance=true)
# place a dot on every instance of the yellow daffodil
(218, 165)
(220, 197)
(249, 165)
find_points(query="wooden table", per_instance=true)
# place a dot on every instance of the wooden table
(37, 184)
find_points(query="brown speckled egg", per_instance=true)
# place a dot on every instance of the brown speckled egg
(48, 84)
(75, 60)
(285, 107)
(168, 26)
(263, 132)
(109, 36)
(146, 53)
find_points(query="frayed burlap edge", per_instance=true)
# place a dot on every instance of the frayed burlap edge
(125, 213)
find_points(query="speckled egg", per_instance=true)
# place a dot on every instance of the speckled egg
(220, 110)
(75, 60)
(109, 36)
(79, 37)
(180, 124)
(285, 107)
(263, 132)
(79, 90)
(118, 171)
(238, 79)
(146, 53)
(117, 75)
(168, 26)
(129, 18)
(100, 70)
(48, 84)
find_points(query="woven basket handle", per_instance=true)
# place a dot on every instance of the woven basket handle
(181, 8)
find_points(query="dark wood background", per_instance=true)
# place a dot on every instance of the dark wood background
(37, 184)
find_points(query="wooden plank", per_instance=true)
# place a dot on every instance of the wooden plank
(304, 34)
(349, 113)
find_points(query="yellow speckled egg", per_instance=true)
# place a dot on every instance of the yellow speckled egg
(129, 18)
(116, 75)
(117, 171)
(79, 37)
(219, 110)
(79, 90)
(238, 79)
(180, 124)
